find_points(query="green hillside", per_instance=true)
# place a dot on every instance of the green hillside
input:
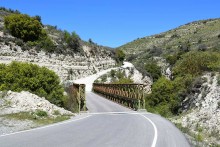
(198, 35)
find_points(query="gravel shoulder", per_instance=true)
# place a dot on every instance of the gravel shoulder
(24, 110)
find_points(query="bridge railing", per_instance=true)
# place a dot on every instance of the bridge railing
(130, 95)
(77, 97)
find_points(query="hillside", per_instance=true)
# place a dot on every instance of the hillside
(63, 52)
(198, 35)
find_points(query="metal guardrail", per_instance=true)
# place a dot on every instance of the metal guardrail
(130, 95)
(77, 97)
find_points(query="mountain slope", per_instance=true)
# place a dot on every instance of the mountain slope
(198, 35)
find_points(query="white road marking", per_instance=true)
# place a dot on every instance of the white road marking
(134, 113)
(105, 113)
(101, 113)
(155, 131)
(52, 125)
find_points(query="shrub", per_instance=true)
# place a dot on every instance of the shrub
(199, 137)
(113, 72)
(56, 112)
(41, 113)
(195, 63)
(73, 40)
(167, 95)
(24, 27)
(218, 80)
(29, 77)
(171, 59)
(119, 55)
(123, 80)
(154, 70)
(155, 51)
(162, 97)
(47, 44)
(103, 78)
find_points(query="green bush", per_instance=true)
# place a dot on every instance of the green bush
(113, 72)
(30, 30)
(56, 112)
(154, 70)
(172, 59)
(29, 77)
(120, 78)
(195, 63)
(167, 95)
(73, 40)
(119, 55)
(24, 27)
(123, 80)
(47, 44)
(41, 113)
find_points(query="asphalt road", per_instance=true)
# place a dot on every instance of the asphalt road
(107, 125)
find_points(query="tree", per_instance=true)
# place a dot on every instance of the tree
(164, 97)
(24, 27)
(154, 70)
(73, 40)
(119, 55)
(90, 41)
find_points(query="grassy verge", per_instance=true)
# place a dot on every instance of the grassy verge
(38, 118)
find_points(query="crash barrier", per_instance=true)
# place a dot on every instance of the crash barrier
(129, 95)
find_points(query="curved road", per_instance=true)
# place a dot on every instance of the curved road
(107, 125)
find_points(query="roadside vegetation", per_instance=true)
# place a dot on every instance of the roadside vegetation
(39, 117)
(29, 77)
(115, 77)
(167, 94)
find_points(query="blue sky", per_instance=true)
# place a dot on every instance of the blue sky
(116, 22)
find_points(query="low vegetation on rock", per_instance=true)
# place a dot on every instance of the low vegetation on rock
(115, 77)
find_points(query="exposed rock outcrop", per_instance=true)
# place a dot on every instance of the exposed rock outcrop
(14, 102)
(67, 67)
(202, 109)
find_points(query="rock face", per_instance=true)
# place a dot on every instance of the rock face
(14, 102)
(138, 78)
(132, 73)
(204, 109)
(67, 67)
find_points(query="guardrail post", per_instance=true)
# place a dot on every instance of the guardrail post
(77, 99)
